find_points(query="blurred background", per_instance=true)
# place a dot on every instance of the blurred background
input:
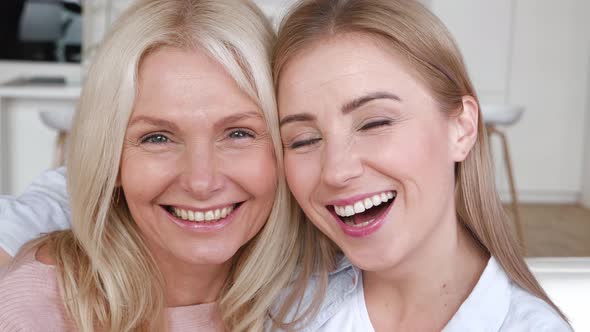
(529, 59)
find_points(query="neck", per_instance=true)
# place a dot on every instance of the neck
(433, 282)
(188, 284)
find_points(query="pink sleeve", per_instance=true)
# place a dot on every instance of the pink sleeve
(30, 298)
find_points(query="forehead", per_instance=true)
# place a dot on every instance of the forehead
(172, 78)
(344, 65)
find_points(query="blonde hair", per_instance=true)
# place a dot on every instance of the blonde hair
(425, 44)
(107, 277)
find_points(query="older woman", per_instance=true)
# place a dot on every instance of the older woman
(179, 214)
(385, 151)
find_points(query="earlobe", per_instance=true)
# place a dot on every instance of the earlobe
(466, 127)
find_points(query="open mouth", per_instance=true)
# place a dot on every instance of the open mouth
(364, 211)
(202, 216)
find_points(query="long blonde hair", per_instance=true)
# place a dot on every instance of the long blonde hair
(423, 41)
(107, 277)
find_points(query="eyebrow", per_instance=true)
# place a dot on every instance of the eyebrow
(346, 108)
(358, 102)
(299, 117)
(169, 124)
(152, 121)
(237, 117)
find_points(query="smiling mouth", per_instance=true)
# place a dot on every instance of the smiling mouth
(365, 211)
(202, 216)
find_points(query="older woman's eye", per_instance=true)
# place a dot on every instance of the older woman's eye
(241, 134)
(376, 124)
(155, 139)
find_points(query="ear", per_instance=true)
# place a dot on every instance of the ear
(463, 129)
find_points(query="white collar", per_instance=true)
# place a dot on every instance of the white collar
(487, 306)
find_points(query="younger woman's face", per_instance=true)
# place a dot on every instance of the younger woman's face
(368, 155)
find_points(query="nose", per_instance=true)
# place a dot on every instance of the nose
(201, 176)
(340, 165)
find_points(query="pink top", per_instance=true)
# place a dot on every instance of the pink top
(30, 301)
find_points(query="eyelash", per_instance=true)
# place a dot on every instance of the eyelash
(148, 139)
(376, 124)
(307, 142)
(243, 132)
(368, 126)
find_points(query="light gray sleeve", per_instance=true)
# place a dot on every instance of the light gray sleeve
(42, 208)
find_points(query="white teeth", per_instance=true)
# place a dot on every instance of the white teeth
(376, 200)
(364, 204)
(348, 210)
(359, 207)
(199, 216)
(207, 216)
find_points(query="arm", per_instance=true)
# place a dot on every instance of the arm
(42, 208)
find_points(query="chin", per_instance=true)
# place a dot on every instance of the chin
(209, 255)
(376, 258)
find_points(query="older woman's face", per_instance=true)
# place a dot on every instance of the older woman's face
(368, 155)
(198, 169)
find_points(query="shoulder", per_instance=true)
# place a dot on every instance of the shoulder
(530, 313)
(30, 296)
(342, 283)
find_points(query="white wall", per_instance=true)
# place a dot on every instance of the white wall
(482, 30)
(529, 52)
(586, 167)
(549, 77)
(586, 180)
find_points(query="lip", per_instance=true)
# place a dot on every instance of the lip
(354, 199)
(359, 232)
(201, 227)
(209, 208)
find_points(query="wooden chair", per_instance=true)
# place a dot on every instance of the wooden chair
(496, 116)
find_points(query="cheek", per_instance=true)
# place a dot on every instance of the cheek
(429, 172)
(254, 170)
(303, 174)
(137, 166)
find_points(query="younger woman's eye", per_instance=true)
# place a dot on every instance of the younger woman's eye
(155, 139)
(241, 134)
(303, 143)
(376, 124)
